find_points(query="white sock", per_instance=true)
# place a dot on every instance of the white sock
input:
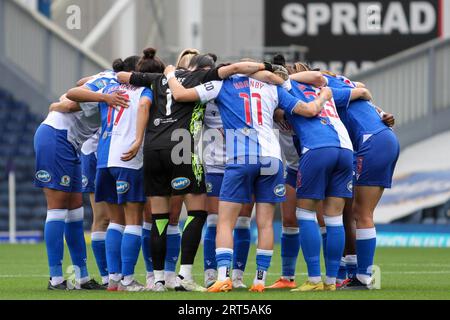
(56, 280)
(364, 278)
(84, 280)
(260, 278)
(223, 273)
(290, 278)
(330, 281)
(115, 277)
(315, 280)
(105, 280)
(159, 275)
(150, 275)
(186, 271)
(237, 274)
(128, 280)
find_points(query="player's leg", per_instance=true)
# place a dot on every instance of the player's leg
(130, 191)
(339, 188)
(157, 173)
(237, 189)
(105, 192)
(54, 235)
(364, 204)
(264, 251)
(100, 214)
(349, 262)
(375, 164)
(213, 186)
(54, 160)
(290, 236)
(146, 246)
(173, 242)
(269, 190)
(312, 179)
(242, 237)
(190, 241)
(98, 236)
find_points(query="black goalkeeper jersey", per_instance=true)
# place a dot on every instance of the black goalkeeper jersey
(166, 114)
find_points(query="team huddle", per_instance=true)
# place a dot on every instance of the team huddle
(226, 141)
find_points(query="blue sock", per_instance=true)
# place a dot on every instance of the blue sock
(366, 242)
(290, 246)
(209, 243)
(241, 243)
(335, 246)
(173, 248)
(146, 246)
(54, 240)
(74, 233)
(113, 243)
(224, 257)
(99, 249)
(351, 266)
(310, 242)
(323, 231)
(131, 245)
(263, 258)
(342, 273)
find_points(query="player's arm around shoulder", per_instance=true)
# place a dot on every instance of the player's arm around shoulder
(314, 78)
(313, 108)
(80, 94)
(179, 93)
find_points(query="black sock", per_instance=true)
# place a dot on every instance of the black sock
(158, 242)
(192, 234)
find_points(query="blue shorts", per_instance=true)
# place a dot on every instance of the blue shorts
(325, 172)
(291, 177)
(376, 160)
(264, 180)
(119, 185)
(88, 172)
(214, 184)
(58, 165)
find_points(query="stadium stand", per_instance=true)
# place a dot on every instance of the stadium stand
(16, 153)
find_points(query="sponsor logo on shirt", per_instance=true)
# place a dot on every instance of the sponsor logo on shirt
(43, 176)
(280, 190)
(85, 181)
(65, 181)
(122, 187)
(180, 183)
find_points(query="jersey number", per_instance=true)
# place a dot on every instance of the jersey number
(256, 97)
(119, 116)
(169, 102)
(328, 111)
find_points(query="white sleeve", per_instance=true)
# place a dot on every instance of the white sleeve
(209, 91)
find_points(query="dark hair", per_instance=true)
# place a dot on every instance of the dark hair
(202, 61)
(213, 55)
(279, 59)
(150, 62)
(128, 65)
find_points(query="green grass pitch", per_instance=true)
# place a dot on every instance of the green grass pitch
(406, 273)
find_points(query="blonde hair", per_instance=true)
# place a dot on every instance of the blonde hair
(185, 57)
(301, 67)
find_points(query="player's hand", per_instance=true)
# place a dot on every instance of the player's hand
(124, 77)
(116, 99)
(326, 93)
(388, 119)
(278, 115)
(63, 97)
(131, 154)
(169, 69)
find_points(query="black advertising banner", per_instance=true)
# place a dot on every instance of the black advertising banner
(345, 36)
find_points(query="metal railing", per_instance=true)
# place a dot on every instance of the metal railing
(40, 51)
(415, 86)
